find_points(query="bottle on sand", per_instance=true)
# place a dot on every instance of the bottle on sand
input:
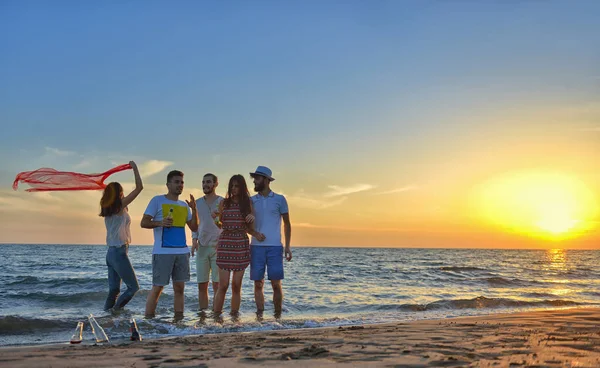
(78, 335)
(135, 333)
(97, 330)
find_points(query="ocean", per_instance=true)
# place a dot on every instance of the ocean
(47, 289)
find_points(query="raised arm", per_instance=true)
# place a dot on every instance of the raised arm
(194, 221)
(138, 186)
(196, 234)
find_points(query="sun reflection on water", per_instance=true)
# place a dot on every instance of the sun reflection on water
(556, 260)
(556, 266)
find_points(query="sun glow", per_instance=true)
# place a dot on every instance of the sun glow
(542, 204)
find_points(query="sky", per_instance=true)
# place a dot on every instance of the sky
(386, 123)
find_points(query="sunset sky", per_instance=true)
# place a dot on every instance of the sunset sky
(386, 123)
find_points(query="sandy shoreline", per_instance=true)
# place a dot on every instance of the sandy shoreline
(561, 338)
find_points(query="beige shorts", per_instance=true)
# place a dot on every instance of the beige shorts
(206, 263)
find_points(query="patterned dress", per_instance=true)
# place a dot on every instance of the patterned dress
(233, 249)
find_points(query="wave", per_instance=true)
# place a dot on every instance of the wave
(461, 269)
(72, 298)
(482, 279)
(61, 298)
(17, 325)
(539, 295)
(590, 293)
(504, 282)
(116, 326)
(483, 302)
(32, 280)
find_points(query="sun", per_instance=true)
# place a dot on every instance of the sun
(556, 223)
(542, 204)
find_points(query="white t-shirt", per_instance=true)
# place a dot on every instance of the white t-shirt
(268, 211)
(169, 240)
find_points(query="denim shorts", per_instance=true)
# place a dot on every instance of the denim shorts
(270, 258)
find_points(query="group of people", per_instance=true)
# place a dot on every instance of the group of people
(220, 227)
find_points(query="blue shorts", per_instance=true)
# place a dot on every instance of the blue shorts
(269, 257)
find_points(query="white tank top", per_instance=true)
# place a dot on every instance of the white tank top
(118, 230)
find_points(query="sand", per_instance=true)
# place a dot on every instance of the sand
(559, 338)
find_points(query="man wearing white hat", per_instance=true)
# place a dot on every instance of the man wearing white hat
(270, 209)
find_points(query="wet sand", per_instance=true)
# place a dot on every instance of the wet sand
(560, 338)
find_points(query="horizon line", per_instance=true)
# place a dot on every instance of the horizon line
(326, 246)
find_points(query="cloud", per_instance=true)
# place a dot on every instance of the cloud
(82, 164)
(370, 230)
(398, 190)
(18, 203)
(128, 186)
(75, 205)
(349, 228)
(156, 189)
(72, 160)
(46, 196)
(303, 200)
(58, 152)
(153, 167)
(304, 224)
(334, 197)
(196, 192)
(337, 191)
(590, 129)
(98, 161)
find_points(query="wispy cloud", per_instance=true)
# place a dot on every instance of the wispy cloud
(71, 160)
(148, 188)
(370, 230)
(98, 161)
(153, 167)
(83, 164)
(58, 152)
(590, 129)
(334, 197)
(156, 189)
(196, 192)
(42, 202)
(46, 196)
(350, 228)
(398, 190)
(337, 191)
(302, 200)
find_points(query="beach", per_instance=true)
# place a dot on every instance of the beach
(549, 338)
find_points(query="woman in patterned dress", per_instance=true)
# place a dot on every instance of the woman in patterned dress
(233, 248)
